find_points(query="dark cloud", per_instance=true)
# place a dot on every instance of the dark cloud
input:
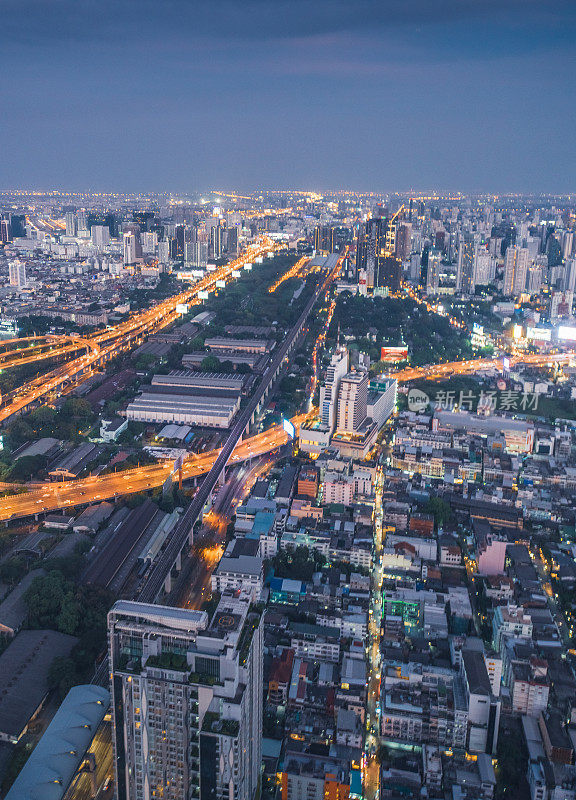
(49, 23)
(368, 94)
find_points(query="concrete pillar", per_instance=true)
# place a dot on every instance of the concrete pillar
(92, 773)
(168, 583)
(178, 563)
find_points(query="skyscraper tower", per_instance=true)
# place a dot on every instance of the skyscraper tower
(329, 391)
(70, 219)
(465, 282)
(186, 700)
(17, 273)
(515, 270)
(324, 239)
(352, 401)
(433, 271)
(82, 220)
(130, 249)
(369, 243)
(5, 231)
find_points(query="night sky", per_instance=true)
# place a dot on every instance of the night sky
(185, 95)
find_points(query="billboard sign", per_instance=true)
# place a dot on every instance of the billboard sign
(393, 355)
(567, 332)
(182, 308)
(539, 334)
(289, 428)
(202, 294)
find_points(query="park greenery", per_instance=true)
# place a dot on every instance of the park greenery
(70, 422)
(375, 322)
(57, 602)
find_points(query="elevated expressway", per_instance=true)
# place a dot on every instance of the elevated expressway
(160, 575)
(16, 352)
(52, 496)
(105, 345)
(473, 365)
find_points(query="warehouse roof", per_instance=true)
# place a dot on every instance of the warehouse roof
(24, 666)
(13, 608)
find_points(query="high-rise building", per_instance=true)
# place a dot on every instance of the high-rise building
(352, 402)
(70, 219)
(196, 254)
(186, 700)
(484, 266)
(404, 241)
(82, 224)
(5, 231)
(231, 237)
(130, 249)
(415, 266)
(100, 236)
(149, 242)
(567, 244)
(389, 273)
(216, 241)
(466, 262)
(515, 270)
(17, 272)
(369, 244)
(569, 283)
(535, 278)
(324, 239)
(433, 271)
(164, 251)
(329, 391)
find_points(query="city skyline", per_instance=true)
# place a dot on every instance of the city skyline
(144, 97)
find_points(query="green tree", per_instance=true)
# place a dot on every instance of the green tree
(68, 619)
(210, 364)
(440, 509)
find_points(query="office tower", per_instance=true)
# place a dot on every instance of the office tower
(5, 231)
(17, 272)
(433, 271)
(70, 219)
(130, 249)
(369, 243)
(186, 700)
(415, 265)
(149, 242)
(567, 244)
(569, 282)
(515, 270)
(100, 236)
(484, 266)
(231, 236)
(352, 402)
(440, 241)
(535, 278)
(389, 273)
(82, 226)
(196, 254)
(164, 251)
(179, 236)
(404, 241)
(216, 241)
(466, 261)
(329, 391)
(324, 239)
